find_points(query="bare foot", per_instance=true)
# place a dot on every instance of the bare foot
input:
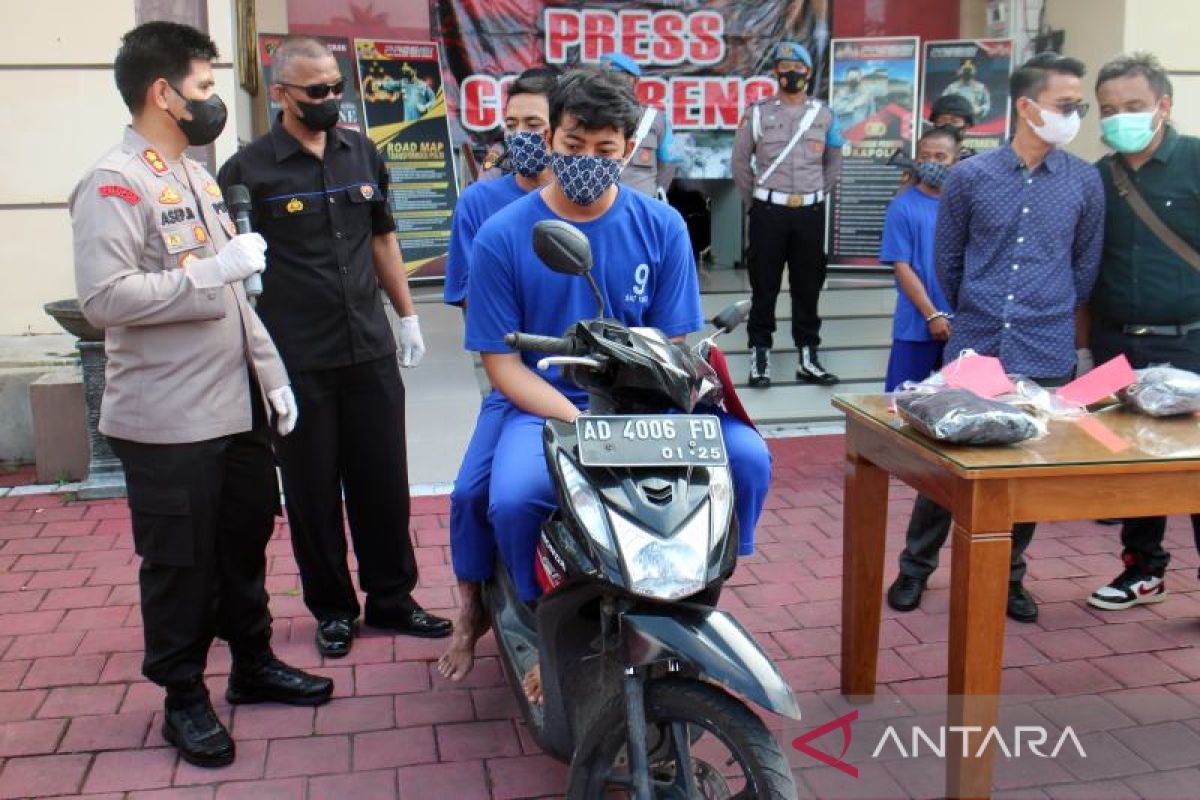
(532, 684)
(456, 663)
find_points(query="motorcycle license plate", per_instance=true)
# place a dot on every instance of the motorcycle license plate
(652, 440)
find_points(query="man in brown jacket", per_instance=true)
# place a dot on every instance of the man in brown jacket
(191, 379)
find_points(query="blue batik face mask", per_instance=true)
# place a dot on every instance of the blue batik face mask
(528, 153)
(932, 173)
(585, 178)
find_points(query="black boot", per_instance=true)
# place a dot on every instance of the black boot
(905, 593)
(191, 725)
(267, 679)
(809, 369)
(1021, 605)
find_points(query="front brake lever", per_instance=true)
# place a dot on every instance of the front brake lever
(570, 361)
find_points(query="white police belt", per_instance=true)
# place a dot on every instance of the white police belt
(789, 200)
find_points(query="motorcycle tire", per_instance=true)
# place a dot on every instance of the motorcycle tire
(670, 700)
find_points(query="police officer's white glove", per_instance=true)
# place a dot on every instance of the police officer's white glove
(410, 347)
(242, 257)
(1083, 361)
(286, 413)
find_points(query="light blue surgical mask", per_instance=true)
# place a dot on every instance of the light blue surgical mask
(1129, 133)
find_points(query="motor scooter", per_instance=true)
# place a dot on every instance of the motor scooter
(642, 676)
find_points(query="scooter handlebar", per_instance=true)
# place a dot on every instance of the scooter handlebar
(542, 344)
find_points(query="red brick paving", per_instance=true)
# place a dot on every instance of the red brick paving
(76, 717)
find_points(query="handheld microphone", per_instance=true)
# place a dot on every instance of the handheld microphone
(238, 198)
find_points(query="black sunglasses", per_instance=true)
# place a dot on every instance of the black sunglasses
(319, 91)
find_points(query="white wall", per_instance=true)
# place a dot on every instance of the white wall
(57, 62)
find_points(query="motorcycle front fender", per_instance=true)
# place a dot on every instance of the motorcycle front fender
(713, 643)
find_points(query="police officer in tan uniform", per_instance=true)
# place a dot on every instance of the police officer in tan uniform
(651, 167)
(786, 158)
(191, 379)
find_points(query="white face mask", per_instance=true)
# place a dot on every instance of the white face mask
(1056, 129)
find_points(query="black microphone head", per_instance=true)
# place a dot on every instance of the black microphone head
(238, 198)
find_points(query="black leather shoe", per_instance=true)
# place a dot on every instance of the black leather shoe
(1021, 605)
(413, 622)
(198, 735)
(905, 593)
(334, 637)
(271, 680)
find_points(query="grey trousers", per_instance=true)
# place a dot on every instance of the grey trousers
(927, 532)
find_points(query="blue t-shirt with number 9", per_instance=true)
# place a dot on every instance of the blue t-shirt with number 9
(641, 259)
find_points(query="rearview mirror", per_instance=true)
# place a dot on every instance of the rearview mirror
(732, 316)
(562, 247)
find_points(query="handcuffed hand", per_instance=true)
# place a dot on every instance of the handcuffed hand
(410, 347)
(286, 413)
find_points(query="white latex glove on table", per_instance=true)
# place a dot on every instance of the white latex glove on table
(410, 347)
(286, 413)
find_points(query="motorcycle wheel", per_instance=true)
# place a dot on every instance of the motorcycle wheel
(676, 711)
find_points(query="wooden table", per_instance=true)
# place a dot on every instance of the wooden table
(1077, 471)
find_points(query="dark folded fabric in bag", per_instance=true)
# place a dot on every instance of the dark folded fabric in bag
(1163, 392)
(963, 417)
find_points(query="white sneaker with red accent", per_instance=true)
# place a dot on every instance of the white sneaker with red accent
(1131, 588)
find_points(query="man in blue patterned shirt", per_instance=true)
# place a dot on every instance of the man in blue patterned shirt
(1017, 249)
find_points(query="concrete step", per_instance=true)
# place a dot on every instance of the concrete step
(834, 303)
(866, 364)
(836, 334)
(800, 403)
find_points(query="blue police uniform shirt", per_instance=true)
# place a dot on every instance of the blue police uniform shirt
(908, 235)
(477, 202)
(642, 261)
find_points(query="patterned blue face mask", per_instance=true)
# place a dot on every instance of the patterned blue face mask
(932, 174)
(585, 178)
(528, 153)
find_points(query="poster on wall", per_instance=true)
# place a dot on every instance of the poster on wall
(978, 71)
(349, 111)
(404, 110)
(703, 62)
(873, 95)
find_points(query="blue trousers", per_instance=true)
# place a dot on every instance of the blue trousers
(912, 361)
(504, 486)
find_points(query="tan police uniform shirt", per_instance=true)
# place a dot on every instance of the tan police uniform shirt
(813, 165)
(645, 172)
(178, 346)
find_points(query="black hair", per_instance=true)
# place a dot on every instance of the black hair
(1029, 79)
(598, 99)
(156, 50)
(1144, 64)
(535, 80)
(946, 131)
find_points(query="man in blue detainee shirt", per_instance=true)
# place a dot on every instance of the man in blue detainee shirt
(472, 544)
(643, 265)
(1019, 235)
(921, 324)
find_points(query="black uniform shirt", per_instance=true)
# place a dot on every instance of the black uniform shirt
(321, 300)
(1142, 281)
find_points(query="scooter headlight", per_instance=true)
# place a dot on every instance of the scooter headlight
(720, 492)
(585, 504)
(665, 569)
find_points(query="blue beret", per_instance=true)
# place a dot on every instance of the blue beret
(791, 51)
(622, 62)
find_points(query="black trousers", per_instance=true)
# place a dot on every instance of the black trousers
(350, 439)
(1142, 537)
(929, 527)
(795, 236)
(202, 515)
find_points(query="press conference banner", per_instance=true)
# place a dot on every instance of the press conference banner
(349, 111)
(404, 109)
(874, 94)
(703, 62)
(979, 72)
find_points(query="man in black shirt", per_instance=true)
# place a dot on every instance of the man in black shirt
(320, 200)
